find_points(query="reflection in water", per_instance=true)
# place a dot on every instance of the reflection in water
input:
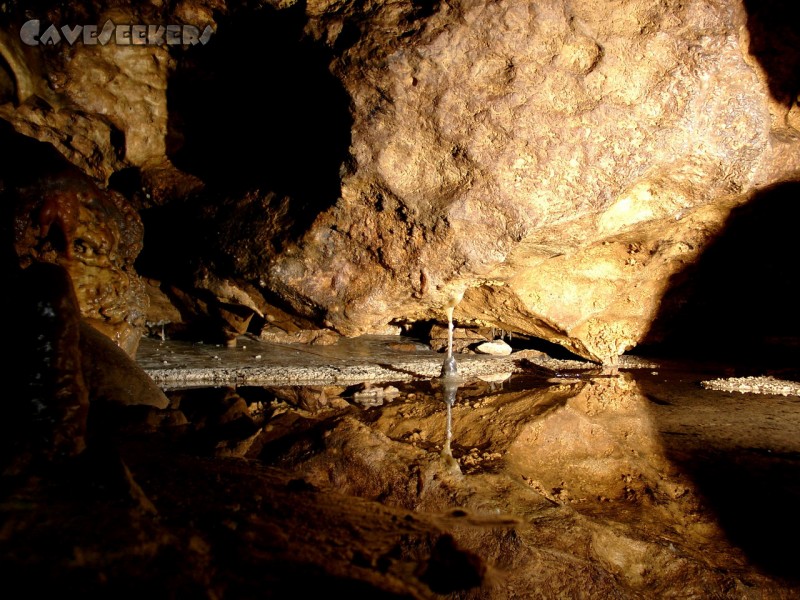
(449, 389)
(601, 443)
(662, 469)
(450, 383)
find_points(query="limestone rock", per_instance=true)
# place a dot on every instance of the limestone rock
(102, 106)
(496, 348)
(558, 164)
(462, 338)
(96, 235)
(205, 317)
(161, 311)
(559, 161)
(316, 337)
(113, 376)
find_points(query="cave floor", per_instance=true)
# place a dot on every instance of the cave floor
(562, 483)
(255, 362)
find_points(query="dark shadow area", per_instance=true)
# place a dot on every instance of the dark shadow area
(754, 493)
(130, 184)
(216, 234)
(519, 341)
(738, 302)
(259, 118)
(734, 313)
(26, 162)
(421, 332)
(257, 107)
(8, 83)
(176, 239)
(742, 462)
(775, 42)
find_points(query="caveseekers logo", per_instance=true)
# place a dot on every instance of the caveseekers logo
(123, 35)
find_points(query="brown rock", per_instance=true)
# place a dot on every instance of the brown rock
(557, 164)
(205, 316)
(462, 338)
(560, 162)
(161, 310)
(112, 375)
(316, 337)
(588, 443)
(102, 106)
(162, 182)
(65, 218)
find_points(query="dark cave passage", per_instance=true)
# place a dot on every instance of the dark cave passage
(258, 108)
(258, 117)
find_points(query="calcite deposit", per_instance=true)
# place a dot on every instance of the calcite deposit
(559, 161)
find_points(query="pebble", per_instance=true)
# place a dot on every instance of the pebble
(754, 385)
(495, 348)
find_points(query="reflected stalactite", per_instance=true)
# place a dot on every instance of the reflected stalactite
(449, 389)
(450, 381)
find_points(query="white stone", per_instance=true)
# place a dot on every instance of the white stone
(495, 348)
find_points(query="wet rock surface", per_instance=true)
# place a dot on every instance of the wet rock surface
(557, 161)
(253, 361)
(59, 215)
(637, 485)
(112, 375)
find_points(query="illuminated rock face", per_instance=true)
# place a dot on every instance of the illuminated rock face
(558, 160)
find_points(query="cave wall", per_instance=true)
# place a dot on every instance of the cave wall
(559, 161)
(558, 164)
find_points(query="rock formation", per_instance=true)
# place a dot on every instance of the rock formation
(558, 162)
(601, 175)
(65, 218)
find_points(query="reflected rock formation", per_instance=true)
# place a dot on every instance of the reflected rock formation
(565, 485)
